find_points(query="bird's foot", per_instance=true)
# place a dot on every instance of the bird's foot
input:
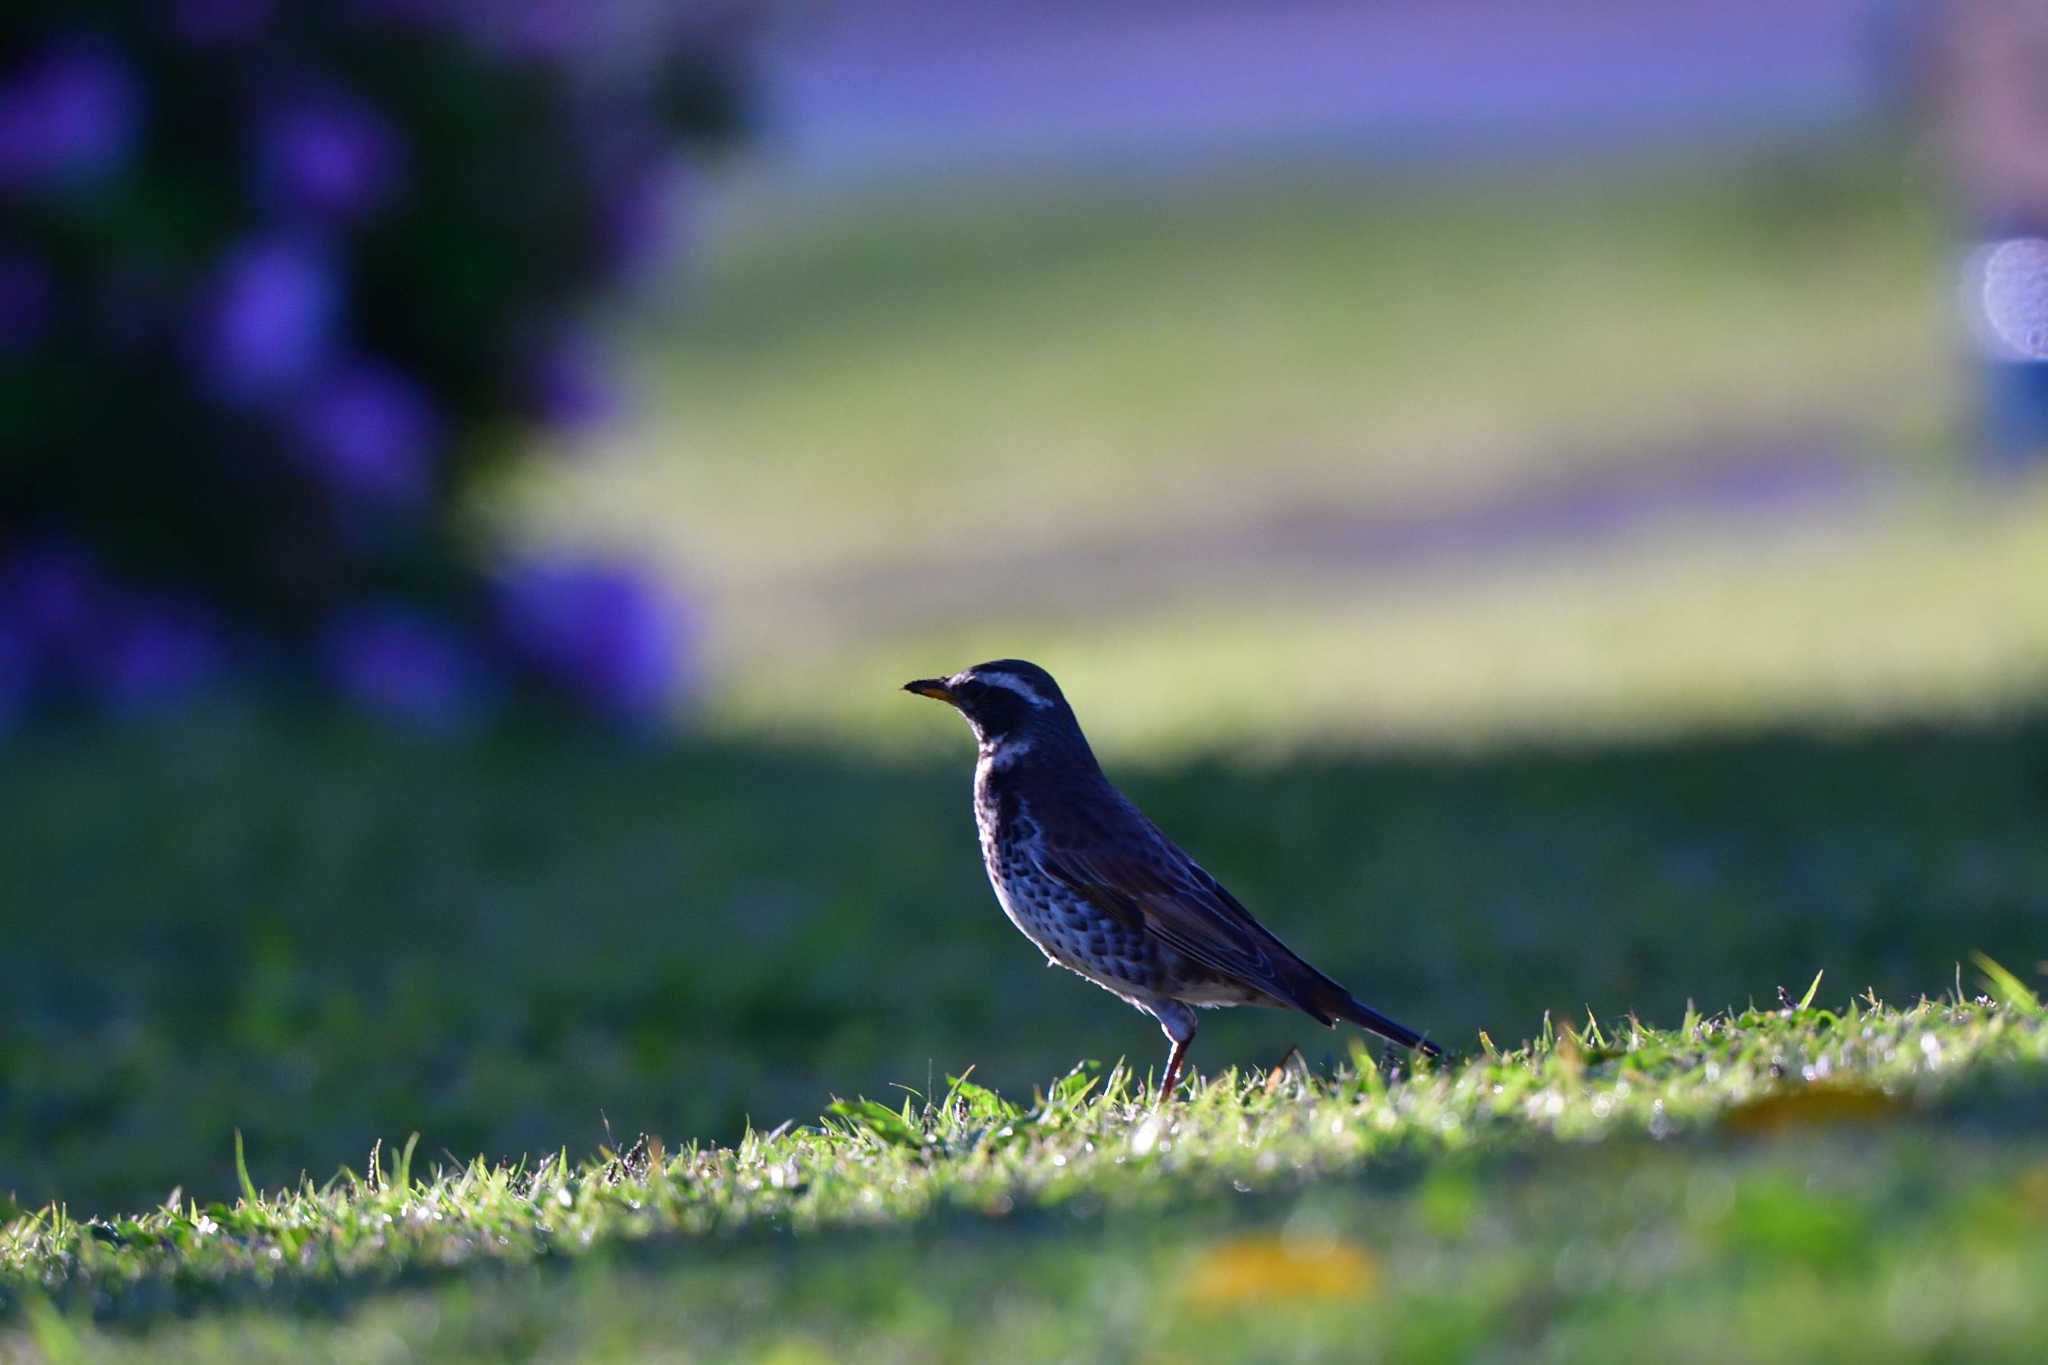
(1292, 1067)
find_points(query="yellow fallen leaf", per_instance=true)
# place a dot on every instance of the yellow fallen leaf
(796, 1351)
(1245, 1272)
(2033, 1189)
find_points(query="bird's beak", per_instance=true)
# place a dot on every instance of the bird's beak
(935, 688)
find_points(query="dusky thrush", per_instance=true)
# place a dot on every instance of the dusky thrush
(1096, 886)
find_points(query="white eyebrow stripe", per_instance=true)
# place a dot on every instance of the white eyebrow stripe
(1015, 684)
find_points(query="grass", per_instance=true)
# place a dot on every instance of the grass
(261, 944)
(1604, 1184)
(1084, 422)
(324, 936)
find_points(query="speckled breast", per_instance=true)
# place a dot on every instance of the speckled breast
(1069, 930)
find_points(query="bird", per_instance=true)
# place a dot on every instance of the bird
(1101, 891)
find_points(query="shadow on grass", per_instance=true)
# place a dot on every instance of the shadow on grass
(324, 936)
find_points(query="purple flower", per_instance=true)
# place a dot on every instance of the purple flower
(206, 23)
(371, 432)
(560, 33)
(69, 114)
(17, 673)
(524, 30)
(405, 665)
(330, 156)
(26, 290)
(409, 12)
(74, 624)
(641, 219)
(146, 654)
(553, 28)
(566, 384)
(52, 591)
(269, 322)
(594, 630)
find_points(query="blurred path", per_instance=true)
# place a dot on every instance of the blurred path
(1786, 482)
(888, 86)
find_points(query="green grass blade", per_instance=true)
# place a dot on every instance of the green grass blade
(403, 1175)
(2008, 989)
(242, 1172)
(1807, 999)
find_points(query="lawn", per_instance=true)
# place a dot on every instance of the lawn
(1872, 604)
(325, 936)
(1812, 1180)
(535, 946)
(1156, 429)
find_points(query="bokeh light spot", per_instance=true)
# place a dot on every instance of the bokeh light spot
(2014, 284)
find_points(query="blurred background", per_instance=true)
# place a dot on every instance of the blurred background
(1543, 500)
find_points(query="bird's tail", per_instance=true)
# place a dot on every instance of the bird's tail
(1352, 1011)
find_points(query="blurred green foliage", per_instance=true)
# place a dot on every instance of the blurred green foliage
(931, 374)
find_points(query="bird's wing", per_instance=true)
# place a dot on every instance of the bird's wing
(1186, 909)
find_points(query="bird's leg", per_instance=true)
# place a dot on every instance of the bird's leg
(1177, 1022)
(1174, 1059)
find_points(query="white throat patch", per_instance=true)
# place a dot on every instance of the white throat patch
(1000, 755)
(1015, 684)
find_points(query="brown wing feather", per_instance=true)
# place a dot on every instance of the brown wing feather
(1190, 912)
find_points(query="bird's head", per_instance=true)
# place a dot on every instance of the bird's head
(1003, 699)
